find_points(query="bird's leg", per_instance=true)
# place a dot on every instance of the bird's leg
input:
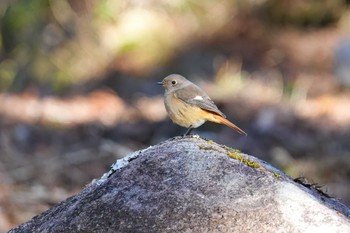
(188, 131)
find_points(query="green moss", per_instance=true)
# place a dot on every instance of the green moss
(235, 155)
(210, 141)
(206, 148)
(277, 175)
(231, 149)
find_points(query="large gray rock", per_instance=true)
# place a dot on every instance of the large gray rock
(193, 185)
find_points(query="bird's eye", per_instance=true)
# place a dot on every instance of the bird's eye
(173, 82)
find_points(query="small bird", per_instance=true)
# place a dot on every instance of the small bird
(189, 106)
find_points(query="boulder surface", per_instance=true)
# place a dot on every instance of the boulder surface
(189, 184)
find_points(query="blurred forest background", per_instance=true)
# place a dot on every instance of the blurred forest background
(78, 87)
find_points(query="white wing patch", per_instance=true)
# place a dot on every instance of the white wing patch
(198, 97)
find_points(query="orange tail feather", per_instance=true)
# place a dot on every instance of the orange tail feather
(219, 119)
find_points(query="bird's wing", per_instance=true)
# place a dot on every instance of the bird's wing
(195, 96)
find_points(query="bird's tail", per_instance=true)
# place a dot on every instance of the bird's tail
(219, 119)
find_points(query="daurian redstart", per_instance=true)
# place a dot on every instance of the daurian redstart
(189, 106)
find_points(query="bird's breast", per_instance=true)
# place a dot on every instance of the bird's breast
(182, 113)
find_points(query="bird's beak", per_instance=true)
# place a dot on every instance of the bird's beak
(160, 83)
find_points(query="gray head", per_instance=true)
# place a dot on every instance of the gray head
(174, 82)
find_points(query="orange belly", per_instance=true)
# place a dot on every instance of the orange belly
(184, 114)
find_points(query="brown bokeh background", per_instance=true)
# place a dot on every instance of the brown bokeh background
(77, 81)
